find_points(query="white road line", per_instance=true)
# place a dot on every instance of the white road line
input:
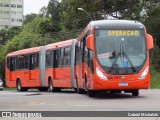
(17, 93)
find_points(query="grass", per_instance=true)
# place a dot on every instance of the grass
(155, 78)
(7, 88)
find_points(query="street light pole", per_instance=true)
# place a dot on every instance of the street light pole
(81, 9)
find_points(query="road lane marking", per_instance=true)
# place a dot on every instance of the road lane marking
(37, 103)
(18, 93)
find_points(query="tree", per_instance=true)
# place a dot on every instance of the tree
(29, 18)
(54, 11)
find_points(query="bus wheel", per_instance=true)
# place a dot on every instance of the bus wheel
(91, 93)
(19, 86)
(75, 89)
(43, 88)
(135, 92)
(57, 89)
(79, 90)
(51, 88)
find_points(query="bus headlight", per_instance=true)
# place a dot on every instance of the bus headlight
(100, 74)
(143, 75)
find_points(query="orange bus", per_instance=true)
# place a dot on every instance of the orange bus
(58, 65)
(40, 67)
(113, 55)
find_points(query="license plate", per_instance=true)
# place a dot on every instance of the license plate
(123, 84)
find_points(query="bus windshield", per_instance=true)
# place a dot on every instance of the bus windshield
(120, 48)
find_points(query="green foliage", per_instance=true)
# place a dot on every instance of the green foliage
(31, 35)
(61, 21)
(155, 57)
(29, 18)
(155, 78)
(8, 34)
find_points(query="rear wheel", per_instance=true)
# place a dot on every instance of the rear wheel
(43, 89)
(19, 86)
(79, 90)
(135, 92)
(57, 89)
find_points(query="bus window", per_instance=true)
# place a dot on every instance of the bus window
(55, 58)
(22, 62)
(26, 62)
(90, 60)
(67, 56)
(13, 64)
(8, 63)
(78, 53)
(48, 58)
(33, 61)
(83, 48)
(61, 61)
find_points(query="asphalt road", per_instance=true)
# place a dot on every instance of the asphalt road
(68, 100)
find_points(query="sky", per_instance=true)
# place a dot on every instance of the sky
(33, 6)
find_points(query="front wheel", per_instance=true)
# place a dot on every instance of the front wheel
(91, 93)
(51, 88)
(135, 92)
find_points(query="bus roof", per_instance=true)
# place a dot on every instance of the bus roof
(25, 51)
(112, 25)
(116, 24)
(59, 44)
(37, 49)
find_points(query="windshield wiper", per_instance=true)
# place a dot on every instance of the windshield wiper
(114, 62)
(123, 54)
(130, 62)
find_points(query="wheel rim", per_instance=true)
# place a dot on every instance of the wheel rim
(50, 86)
(19, 86)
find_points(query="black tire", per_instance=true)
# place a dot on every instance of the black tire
(50, 88)
(57, 89)
(19, 86)
(43, 89)
(91, 93)
(75, 89)
(79, 90)
(135, 93)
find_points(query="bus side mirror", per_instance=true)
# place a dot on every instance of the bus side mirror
(90, 42)
(149, 41)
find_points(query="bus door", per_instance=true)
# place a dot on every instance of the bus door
(25, 59)
(83, 47)
(61, 71)
(67, 68)
(79, 65)
(34, 71)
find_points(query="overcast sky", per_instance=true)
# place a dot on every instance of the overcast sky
(33, 6)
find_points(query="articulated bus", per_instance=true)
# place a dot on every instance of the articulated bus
(109, 55)
(113, 55)
(44, 67)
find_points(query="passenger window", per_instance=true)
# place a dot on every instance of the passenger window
(34, 59)
(48, 58)
(55, 59)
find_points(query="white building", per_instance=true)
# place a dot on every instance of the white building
(11, 13)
